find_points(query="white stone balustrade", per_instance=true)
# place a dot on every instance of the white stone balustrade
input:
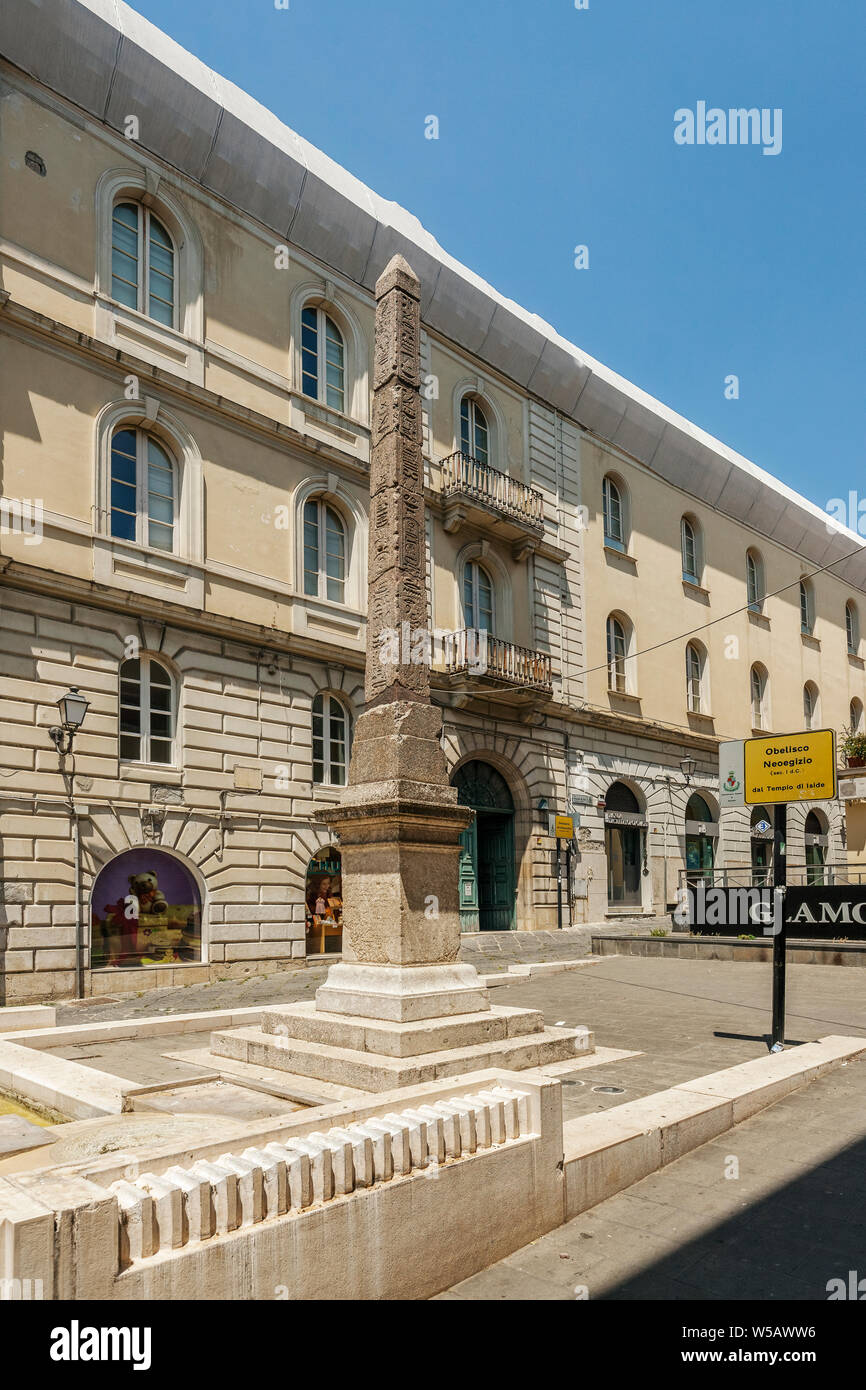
(182, 1206)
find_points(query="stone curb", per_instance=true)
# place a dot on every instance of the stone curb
(608, 1152)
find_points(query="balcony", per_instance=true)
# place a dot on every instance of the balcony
(481, 665)
(473, 491)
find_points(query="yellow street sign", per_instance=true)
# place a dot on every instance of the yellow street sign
(790, 767)
(564, 827)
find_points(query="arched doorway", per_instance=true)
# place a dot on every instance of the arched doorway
(701, 832)
(486, 870)
(761, 834)
(816, 848)
(323, 903)
(624, 831)
(145, 909)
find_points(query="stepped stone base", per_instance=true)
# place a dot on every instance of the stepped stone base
(376, 1055)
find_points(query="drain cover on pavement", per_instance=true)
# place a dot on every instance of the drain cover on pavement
(610, 1090)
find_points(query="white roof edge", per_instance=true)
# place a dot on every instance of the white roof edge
(267, 126)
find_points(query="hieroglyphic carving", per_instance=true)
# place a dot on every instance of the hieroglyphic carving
(396, 579)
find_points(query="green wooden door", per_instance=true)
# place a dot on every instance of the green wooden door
(486, 875)
(467, 878)
(496, 872)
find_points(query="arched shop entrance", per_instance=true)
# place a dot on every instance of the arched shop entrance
(816, 848)
(624, 835)
(323, 903)
(761, 835)
(486, 869)
(145, 909)
(701, 833)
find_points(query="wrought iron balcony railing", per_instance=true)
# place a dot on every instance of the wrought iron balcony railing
(476, 653)
(466, 476)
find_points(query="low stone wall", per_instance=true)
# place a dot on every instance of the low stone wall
(686, 947)
(390, 1200)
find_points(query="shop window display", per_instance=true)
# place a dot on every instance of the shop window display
(145, 910)
(324, 904)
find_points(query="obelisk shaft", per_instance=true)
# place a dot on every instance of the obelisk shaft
(396, 581)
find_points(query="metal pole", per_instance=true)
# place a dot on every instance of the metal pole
(780, 878)
(558, 883)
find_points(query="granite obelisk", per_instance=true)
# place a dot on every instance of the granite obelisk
(399, 821)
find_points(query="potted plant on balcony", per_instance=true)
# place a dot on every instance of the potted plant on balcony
(853, 748)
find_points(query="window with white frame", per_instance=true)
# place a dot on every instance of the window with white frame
(613, 508)
(758, 679)
(323, 358)
(324, 551)
(617, 650)
(852, 628)
(147, 712)
(477, 597)
(690, 545)
(143, 490)
(807, 608)
(330, 741)
(694, 679)
(474, 430)
(143, 263)
(810, 705)
(754, 581)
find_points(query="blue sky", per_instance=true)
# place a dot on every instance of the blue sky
(556, 129)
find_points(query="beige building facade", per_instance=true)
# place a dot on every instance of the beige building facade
(186, 334)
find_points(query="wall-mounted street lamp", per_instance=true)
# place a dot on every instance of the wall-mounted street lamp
(688, 766)
(73, 706)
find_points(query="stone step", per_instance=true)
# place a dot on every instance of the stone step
(306, 1023)
(375, 1072)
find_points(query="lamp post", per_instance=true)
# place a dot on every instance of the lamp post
(73, 707)
(688, 766)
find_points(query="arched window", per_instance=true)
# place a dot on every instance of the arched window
(754, 581)
(852, 628)
(617, 650)
(758, 691)
(143, 263)
(613, 507)
(324, 551)
(810, 705)
(474, 430)
(143, 490)
(855, 716)
(330, 741)
(477, 597)
(807, 608)
(147, 712)
(694, 679)
(323, 358)
(690, 546)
